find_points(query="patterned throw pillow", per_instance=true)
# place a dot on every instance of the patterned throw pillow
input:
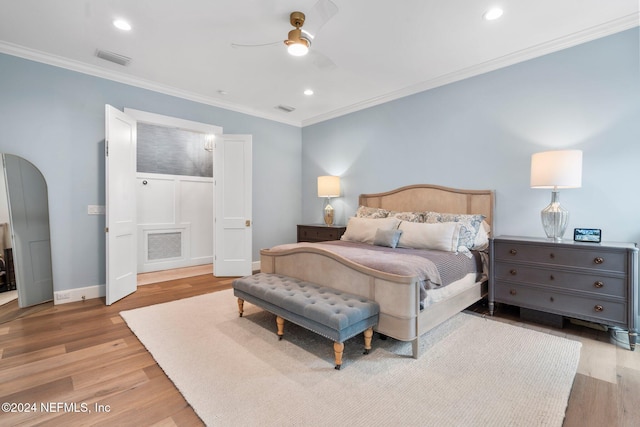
(470, 224)
(367, 212)
(408, 216)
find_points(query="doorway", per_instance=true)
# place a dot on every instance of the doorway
(25, 249)
(174, 192)
(230, 196)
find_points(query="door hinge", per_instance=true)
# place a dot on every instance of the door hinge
(247, 223)
(106, 229)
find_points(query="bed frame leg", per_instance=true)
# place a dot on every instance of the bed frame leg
(415, 348)
(240, 306)
(280, 324)
(338, 349)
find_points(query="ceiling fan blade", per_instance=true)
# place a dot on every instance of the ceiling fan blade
(321, 61)
(238, 45)
(321, 12)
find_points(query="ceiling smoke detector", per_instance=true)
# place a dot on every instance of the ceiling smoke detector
(113, 57)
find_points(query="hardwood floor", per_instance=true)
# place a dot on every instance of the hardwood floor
(84, 354)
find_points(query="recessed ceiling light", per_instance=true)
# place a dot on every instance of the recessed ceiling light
(493, 13)
(121, 24)
(308, 92)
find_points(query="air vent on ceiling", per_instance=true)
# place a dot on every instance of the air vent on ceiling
(113, 57)
(285, 108)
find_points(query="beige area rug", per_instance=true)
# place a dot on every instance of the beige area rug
(473, 371)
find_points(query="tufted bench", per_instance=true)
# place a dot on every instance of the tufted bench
(331, 313)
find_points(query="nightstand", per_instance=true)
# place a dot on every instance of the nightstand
(596, 282)
(320, 232)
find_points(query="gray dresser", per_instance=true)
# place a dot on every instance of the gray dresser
(597, 282)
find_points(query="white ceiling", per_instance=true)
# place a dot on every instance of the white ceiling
(370, 52)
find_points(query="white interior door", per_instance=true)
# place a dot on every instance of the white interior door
(120, 195)
(232, 223)
(29, 212)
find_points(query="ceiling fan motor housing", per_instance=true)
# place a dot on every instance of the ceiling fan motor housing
(295, 35)
(297, 19)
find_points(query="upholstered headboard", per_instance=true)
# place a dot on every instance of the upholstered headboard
(424, 197)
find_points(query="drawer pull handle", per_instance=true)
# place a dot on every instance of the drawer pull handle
(551, 299)
(598, 308)
(551, 277)
(513, 252)
(513, 271)
(551, 255)
(598, 284)
(598, 260)
(512, 292)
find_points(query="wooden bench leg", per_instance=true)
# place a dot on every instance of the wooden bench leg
(367, 340)
(338, 349)
(280, 323)
(240, 306)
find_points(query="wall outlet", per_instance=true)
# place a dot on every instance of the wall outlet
(95, 210)
(63, 295)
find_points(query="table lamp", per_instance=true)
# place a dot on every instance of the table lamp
(555, 170)
(328, 186)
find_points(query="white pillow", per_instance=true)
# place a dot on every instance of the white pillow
(442, 236)
(364, 229)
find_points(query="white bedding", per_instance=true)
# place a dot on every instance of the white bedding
(441, 294)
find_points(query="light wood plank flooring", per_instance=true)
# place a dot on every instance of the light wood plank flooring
(84, 353)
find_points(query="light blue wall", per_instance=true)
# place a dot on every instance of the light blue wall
(476, 133)
(55, 119)
(479, 133)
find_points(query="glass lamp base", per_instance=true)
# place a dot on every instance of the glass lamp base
(328, 214)
(555, 218)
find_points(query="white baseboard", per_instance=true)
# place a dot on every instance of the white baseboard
(98, 291)
(78, 294)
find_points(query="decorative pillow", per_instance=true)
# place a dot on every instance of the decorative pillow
(367, 212)
(408, 216)
(470, 224)
(388, 238)
(481, 242)
(364, 229)
(441, 236)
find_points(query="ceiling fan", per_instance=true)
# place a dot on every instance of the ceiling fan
(299, 39)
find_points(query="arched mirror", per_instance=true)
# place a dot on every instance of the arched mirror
(26, 277)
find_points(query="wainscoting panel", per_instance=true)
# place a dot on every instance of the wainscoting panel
(175, 221)
(156, 197)
(196, 207)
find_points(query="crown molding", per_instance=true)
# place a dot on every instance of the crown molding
(590, 34)
(81, 67)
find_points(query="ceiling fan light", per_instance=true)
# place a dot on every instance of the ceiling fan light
(298, 49)
(297, 45)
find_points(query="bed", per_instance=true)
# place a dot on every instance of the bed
(405, 312)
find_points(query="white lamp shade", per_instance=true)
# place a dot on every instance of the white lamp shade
(556, 169)
(328, 186)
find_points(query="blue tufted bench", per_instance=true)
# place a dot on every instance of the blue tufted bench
(331, 313)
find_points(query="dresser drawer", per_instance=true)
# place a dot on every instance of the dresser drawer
(596, 258)
(597, 283)
(570, 305)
